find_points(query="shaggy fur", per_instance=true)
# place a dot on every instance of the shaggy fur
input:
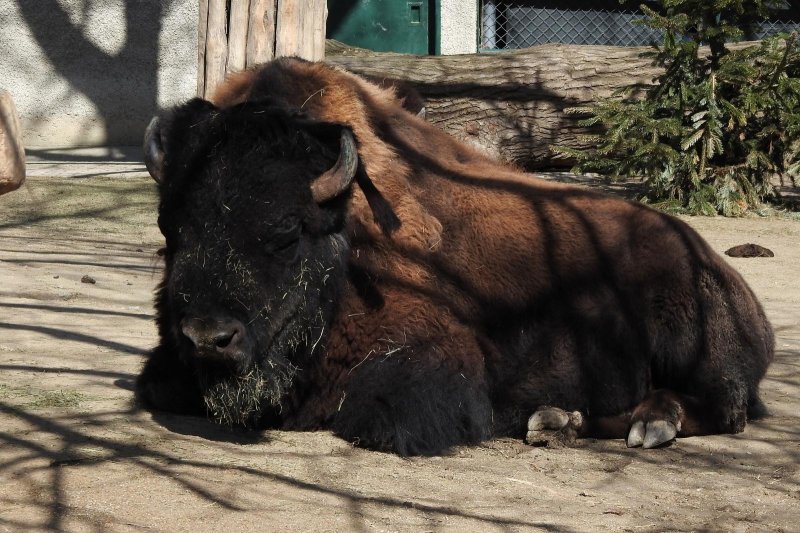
(497, 293)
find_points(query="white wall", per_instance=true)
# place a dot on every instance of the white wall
(459, 26)
(93, 72)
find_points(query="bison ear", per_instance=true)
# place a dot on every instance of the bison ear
(154, 150)
(338, 178)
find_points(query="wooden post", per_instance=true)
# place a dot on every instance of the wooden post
(202, 31)
(237, 35)
(261, 31)
(250, 32)
(216, 45)
(290, 32)
(320, 17)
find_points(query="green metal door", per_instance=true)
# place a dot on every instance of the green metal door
(381, 25)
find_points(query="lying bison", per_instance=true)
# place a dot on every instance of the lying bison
(333, 261)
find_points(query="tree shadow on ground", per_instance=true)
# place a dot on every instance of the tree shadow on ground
(36, 459)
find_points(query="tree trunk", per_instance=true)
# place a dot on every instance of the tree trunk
(509, 104)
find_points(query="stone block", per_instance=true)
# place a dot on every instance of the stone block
(12, 154)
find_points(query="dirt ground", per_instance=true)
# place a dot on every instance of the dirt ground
(76, 455)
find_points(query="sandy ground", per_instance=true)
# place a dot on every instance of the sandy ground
(76, 455)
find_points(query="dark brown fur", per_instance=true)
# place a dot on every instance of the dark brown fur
(532, 292)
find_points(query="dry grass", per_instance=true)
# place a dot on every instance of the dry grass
(31, 398)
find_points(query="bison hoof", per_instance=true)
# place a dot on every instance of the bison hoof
(655, 433)
(553, 427)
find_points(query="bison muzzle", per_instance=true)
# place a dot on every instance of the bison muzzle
(333, 261)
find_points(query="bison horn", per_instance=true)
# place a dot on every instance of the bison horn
(153, 150)
(336, 180)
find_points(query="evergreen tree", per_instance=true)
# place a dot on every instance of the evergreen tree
(719, 123)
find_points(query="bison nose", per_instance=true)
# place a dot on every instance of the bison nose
(215, 337)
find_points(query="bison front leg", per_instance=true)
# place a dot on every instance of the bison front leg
(659, 418)
(166, 384)
(554, 427)
(655, 421)
(410, 406)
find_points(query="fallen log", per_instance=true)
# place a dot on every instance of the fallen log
(509, 104)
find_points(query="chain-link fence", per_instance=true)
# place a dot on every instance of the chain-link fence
(522, 23)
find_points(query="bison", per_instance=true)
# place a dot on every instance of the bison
(333, 261)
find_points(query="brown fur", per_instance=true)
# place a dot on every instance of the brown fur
(480, 240)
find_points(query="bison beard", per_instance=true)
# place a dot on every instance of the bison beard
(244, 400)
(333, 261)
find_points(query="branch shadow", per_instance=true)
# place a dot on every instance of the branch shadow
(77, 310)
(66, 370)
(66, 335)
(39, 459)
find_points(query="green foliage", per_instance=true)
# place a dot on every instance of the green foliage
(717, 125)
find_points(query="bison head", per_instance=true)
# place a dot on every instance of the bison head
(252, 204)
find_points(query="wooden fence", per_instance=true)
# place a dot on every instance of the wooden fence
(237, 34)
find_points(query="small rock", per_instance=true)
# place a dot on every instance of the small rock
(139, 250)
(749, 250)
(128, 283)
(56, 277)
(88, 279)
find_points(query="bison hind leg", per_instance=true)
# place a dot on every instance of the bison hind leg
(553, 427)
(654, 422)
(401, 405)
(657, 420)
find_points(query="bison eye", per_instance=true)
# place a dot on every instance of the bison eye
(284, 236)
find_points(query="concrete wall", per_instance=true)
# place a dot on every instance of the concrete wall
(459, 26)
(93, 72)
